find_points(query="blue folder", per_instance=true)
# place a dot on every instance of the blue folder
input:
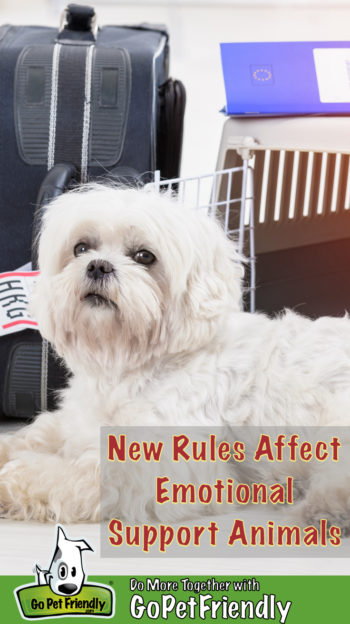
(289, 78)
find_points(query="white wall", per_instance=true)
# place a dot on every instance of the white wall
(196, 31)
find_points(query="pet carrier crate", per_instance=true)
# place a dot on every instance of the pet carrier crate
(301, 188)
(282, 188)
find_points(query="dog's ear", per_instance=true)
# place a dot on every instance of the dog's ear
(41, 309)
(214, 284)
(213, 289)
(83, 545)
(47, 308)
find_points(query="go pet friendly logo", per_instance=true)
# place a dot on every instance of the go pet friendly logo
(60, 591)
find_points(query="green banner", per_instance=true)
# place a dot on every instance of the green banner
(39, 601)
(291, 599)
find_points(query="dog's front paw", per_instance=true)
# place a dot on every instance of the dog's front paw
(4, 450)
(9, 495)
(19, 497)
(46, 488)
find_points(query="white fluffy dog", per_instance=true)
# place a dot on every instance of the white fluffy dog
(141, 298)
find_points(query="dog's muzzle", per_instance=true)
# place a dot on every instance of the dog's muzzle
(99, 269)
(97, 272)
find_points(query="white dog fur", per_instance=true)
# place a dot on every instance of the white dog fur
(170, 347)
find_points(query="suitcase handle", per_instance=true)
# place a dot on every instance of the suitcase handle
(78, 22)
(56, 182)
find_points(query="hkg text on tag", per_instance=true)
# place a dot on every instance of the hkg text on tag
(15, 289)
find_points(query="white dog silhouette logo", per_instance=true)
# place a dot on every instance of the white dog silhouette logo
(62, 590)
(66, 573)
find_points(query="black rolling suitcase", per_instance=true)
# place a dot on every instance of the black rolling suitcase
(76, 104)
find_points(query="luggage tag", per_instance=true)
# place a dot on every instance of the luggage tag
(15, 290)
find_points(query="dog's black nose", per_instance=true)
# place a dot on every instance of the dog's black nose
(99, 269)
(67, 588)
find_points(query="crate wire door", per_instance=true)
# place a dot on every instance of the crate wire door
(228, 196)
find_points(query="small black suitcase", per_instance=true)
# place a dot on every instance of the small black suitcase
(77, 104)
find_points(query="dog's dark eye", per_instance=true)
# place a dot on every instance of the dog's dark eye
(144, 257)
(62, 571)
(81, 248)
(74, 571)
